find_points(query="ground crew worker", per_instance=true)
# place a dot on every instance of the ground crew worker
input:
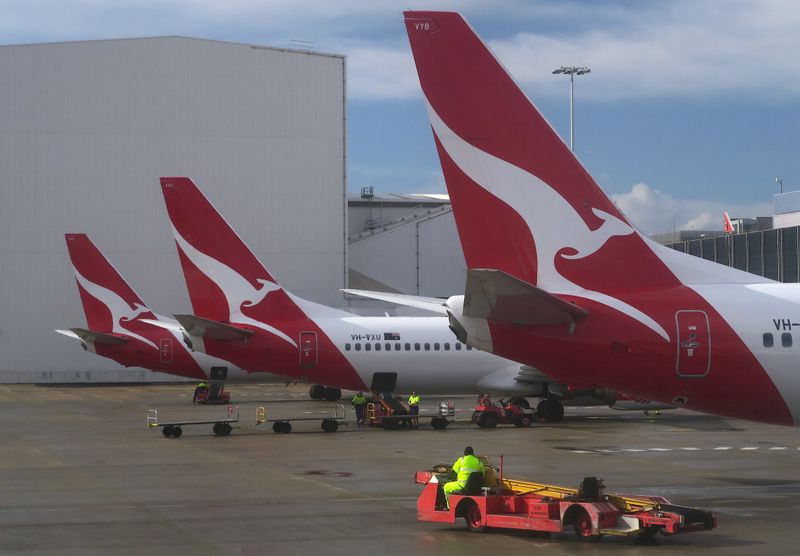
(463, 467)
(360, 405)
(200, 388)
(413, 409)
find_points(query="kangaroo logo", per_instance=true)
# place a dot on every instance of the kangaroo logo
(121, 311)
(238, 291)
(543, 210)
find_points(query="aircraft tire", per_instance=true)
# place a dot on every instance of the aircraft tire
(333, 394)
(488, 421)
(176, 432)
(316, 392)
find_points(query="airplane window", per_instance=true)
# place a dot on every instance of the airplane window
(388, 346)
(358, 347)
(447, 346)
(458, 347)
(435, 347)
(427, 347)
(408, 346)
(786, 339)
(367, 347)
(469, 348)
(768, 340)
(377, 347)
(397, 347)
(347, 347)
(416, 347)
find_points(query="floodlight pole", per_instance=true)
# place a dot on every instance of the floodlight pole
(572, 71)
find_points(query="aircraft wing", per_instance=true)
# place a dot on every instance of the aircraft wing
(214, 330)
(91, 336)
(494, 295)
(433, 304)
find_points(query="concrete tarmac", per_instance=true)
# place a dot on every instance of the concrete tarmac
(82, 475)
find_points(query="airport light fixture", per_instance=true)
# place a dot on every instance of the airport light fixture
(780, 183)
(572, 71)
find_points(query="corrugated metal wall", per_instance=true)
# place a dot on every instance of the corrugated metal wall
(87, 128)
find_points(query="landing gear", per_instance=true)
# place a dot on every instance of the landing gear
(320, 392)
(521, 402)
(550, 409)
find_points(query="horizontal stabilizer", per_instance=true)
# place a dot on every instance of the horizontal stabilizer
(211, 329)
(428, 303)
(494, 295)
(90, 336)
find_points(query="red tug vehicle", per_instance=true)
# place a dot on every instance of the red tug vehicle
(488, 501)
(488, 415)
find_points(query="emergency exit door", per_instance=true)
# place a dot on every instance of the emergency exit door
(694, 344)
(308, 349)
(165, 350)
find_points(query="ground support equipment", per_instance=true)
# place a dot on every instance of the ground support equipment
(221, 427)
(445, 409)
(515, 504)
(283, 425)
(488, 415)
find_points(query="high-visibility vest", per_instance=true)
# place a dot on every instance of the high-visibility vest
(413, 400)
(467, 465)
(359, 400)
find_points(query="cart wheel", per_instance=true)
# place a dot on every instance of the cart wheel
(523, 421)
(176, 432)
(222, 429)
(649, 532)
(583, 526)
(439, 423)
(474, 518)
(166, 431)
(330, 425)
(276, 426)
(487, 420)
(216, 429)
(286, 427)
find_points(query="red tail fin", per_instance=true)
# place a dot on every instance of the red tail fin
(727, 226)
(226, 281)
(108, 301)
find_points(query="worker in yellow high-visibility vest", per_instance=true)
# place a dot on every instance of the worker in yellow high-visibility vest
(413, 409)
(463, 467)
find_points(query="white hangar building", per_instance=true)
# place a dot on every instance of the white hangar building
(86, 130)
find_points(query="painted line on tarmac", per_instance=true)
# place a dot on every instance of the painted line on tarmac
(683, 448)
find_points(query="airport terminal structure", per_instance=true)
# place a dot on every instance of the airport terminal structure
(88, 129)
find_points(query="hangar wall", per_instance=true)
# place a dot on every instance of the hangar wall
(87, 128)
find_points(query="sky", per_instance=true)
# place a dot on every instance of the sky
(692, 108)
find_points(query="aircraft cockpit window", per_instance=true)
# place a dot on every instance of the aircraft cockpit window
(786, 339)
(768, 340)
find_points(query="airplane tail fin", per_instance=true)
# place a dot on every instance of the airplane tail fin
(226, 281)
(727, 226)
(108, 301)
(523, 202)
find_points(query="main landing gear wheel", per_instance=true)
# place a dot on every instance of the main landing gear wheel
(550, 409)
(333, 394)
(487, 421)
(330, 425)
(316, 392)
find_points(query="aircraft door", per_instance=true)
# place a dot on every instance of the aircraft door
(308, 349)
(694, 344)
(165, 350)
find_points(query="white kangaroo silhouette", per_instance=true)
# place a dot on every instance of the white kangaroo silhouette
(120, 309)
(237, 290)
(544, 211)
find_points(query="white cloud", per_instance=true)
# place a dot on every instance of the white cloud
(646, 49)
(653, 211)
